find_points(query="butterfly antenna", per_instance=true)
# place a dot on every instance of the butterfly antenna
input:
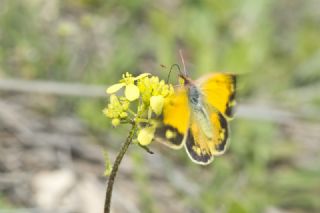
(171, 68)
(184, 65)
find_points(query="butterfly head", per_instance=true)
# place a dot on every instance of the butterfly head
(186, 80)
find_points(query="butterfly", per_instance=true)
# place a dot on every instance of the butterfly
(197, 116)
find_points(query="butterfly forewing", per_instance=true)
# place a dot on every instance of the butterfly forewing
(175, 120)
(219, 90)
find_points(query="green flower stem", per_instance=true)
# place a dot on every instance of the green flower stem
(142, 120)
(116, 164)
(131, 112)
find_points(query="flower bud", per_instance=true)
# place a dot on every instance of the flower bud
(146, 135)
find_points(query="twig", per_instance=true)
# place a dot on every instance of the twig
(116, 164)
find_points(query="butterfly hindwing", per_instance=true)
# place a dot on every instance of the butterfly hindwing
(220, 132)
(219, 90)
(201, 148)
(170, 136)
(175, 120)
(197, 145)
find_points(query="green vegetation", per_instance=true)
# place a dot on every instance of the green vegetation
(273, 45)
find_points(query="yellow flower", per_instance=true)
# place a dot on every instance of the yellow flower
(114, 88)
(153, 87)
(151, 93)
(146, 135)
(141, 76)
(156, 103)
(127, 80)
(131, 92)
(116, 109)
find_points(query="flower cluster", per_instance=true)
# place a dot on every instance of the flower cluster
(149, 92)
(153, 91)
(117, 109)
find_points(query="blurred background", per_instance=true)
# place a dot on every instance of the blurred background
(57, 57)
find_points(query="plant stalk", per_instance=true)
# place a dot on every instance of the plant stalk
(123, 150)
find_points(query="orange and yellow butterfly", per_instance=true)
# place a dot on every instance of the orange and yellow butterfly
(196, 116)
